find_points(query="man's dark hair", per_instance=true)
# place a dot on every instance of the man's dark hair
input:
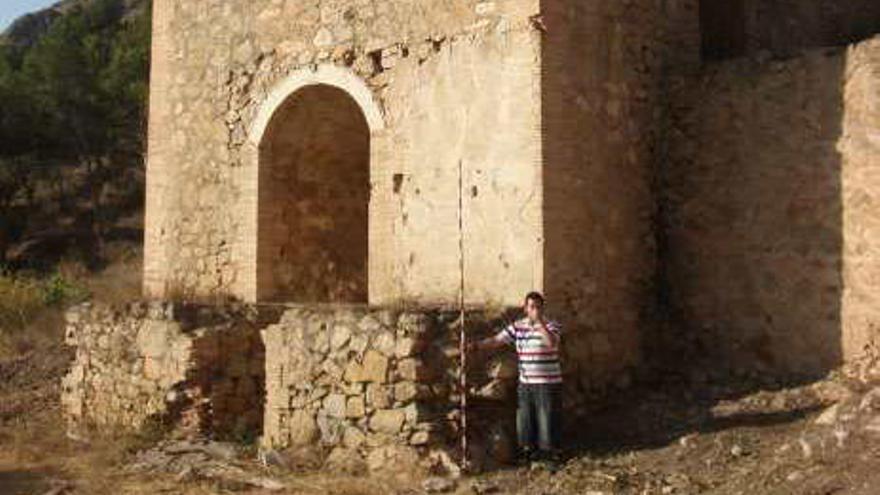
(535, 296)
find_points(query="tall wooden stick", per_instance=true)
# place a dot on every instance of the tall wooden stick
(462, 370)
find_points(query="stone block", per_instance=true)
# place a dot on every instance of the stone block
(379, 396)
(335, 406)
(405, 392)
(353, 437)
(359, 344)
(385, 343)
(340, 337)
(355, 408)
(331, 429)
(153, 339)
(413, 370)
(303, 428)
(388, 421)
(375, 368)
(354, 372)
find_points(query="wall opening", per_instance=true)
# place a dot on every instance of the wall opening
(314, 191)
(722, 28)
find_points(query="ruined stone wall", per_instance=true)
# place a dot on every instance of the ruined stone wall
(771, 186)
(369, 383)
(362, 380)
(164, 366)
(446, 75)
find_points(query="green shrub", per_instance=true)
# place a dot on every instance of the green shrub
(57, 290)
(23, 298)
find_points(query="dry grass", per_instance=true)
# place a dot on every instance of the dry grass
(32, 306)
(20, 300)
(120, 281)
(31, 310)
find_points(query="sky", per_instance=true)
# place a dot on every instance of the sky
(10, 10)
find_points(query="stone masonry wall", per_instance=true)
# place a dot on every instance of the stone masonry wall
(603, 70)
(378, 385)
(164, 366)
(771, 190)
(526, 129)
(446, 75)
(363, 380)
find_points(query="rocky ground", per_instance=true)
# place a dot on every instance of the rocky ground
(686, 435)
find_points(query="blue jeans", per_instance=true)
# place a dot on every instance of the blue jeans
(539, 417)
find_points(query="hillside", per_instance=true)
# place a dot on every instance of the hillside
(74, 75)
(29, 28)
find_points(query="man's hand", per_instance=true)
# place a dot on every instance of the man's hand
(551, 339)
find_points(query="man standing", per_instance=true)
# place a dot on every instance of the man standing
(539, 401)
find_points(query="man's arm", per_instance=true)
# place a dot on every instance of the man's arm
(499, 340)
(549, 332)
(488, 344)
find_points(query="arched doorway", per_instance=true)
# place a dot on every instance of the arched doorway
(313, 203)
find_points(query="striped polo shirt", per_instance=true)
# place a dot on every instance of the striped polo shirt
(538, 362)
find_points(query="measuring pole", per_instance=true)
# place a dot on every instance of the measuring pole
(462, 370)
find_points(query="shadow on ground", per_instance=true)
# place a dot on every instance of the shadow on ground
(24, 482)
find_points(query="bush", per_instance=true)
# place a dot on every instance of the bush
(23, 298)
(31, 310)
(58, 290)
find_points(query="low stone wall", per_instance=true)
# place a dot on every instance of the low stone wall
(362, 379)
(375, 384)
(163, 365)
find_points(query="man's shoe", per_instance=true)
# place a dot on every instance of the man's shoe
(525, 458)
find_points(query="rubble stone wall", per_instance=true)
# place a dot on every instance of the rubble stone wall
(369, 382)
(362, 379)
(164, 366)
(771, 209)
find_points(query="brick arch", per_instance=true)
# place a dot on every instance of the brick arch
(251, 246)
(325, 74)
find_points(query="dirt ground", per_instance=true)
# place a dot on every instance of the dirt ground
(670, 438)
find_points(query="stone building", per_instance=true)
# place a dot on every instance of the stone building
(710, 165)
(381, 151)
